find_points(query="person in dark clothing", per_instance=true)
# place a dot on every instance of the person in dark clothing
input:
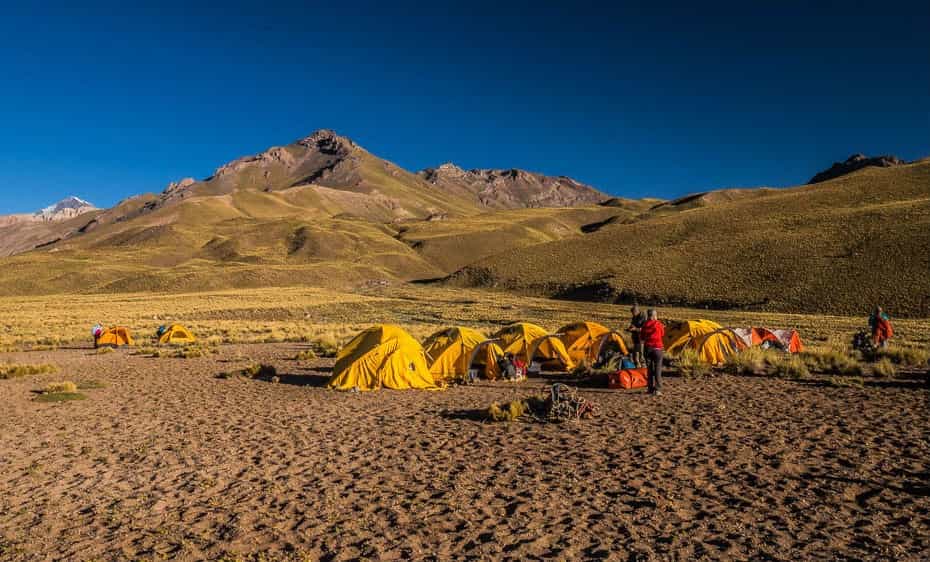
(651, 334)
(636, 324)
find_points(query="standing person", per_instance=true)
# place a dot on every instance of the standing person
(636, 325)
(880, 326)
(651, 335)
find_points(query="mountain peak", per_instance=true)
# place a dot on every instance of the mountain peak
(67, 208)
(853, 163)
(328, 142)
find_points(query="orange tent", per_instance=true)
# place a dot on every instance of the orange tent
(787, 340)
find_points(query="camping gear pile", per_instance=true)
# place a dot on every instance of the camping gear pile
(562, 404)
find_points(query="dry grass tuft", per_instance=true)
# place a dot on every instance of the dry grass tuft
(904, 356)
(326, 345)
(846, 382)
(260, 371)
(832, 361)
(508, 412)
(691, 365)
(64, 387)
(305, 355)
(14, 370)
(104, 350)
(787, 366)
(751, 361)
(884, 367)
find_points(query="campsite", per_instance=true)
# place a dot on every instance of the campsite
(465, 280)
(174, 456)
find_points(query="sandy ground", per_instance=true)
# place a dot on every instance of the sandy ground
(169, 462)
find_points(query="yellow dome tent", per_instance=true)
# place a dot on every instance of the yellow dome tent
(715, 347)
(449, 352)
(517, 338)
(484, 359)
(678, 335)
(606, 341)
(550, 353)
(585, 340)
(113, 337)
(176, 334)
(382, 356)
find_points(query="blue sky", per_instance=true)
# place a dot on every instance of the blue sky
(106, 100)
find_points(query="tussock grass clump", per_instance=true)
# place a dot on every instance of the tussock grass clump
(14, 370)
(60, 392)
(259, 370)
(787, 367)
(846, 382)
(832, 361)
(507, 412)
(750, 361)
(146, 351)
(64, 387)
(104, 350)
(884, 367)
(905, 356)
(326, 345)
(691, 365)
(305, 355)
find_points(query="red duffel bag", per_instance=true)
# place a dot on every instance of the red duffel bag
(628, 378)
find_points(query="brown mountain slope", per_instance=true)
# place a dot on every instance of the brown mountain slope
(319, 211)
(512, 189)
(839, 246)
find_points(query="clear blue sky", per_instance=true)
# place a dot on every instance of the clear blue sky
(104, 101)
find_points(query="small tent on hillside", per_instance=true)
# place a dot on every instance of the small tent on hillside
(715, 347)
(680, 334)
(517, 338)
(550, 353)
(175, 334)
(449, 351)
(584, 340)
(113, 337)
(610, 341)
(786, 340)
(382, 356)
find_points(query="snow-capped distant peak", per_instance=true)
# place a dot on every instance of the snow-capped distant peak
(71, 202)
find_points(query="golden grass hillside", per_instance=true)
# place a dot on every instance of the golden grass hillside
(836, 247)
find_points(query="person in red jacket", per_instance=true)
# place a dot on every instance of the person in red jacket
(652, 334)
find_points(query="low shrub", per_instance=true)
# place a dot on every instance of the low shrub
(884, 367)
(14, 370)
(691, 365)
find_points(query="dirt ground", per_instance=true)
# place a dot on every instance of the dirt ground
(166, 461)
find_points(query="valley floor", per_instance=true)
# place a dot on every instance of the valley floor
(168, 461)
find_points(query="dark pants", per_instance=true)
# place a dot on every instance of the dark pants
(654, 367)
(638, 356)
